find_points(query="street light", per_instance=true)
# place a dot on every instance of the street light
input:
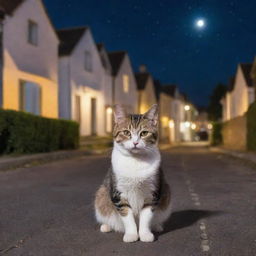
(109, 110)
(187, 107)
(193, 126)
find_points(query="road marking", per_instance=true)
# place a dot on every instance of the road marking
(204, 244)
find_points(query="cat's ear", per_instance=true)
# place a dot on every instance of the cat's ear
(152, 114)
(119, 113)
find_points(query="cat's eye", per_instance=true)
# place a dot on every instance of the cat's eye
(126, 133)
(144, 133)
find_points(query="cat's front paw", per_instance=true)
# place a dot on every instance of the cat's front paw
(129, 238)
(147, 237)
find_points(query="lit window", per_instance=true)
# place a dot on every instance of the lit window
(30, 97)
(126, 83)
(88, 61)
(109, 120)
(32, 32)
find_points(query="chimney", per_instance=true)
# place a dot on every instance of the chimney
(142, 68)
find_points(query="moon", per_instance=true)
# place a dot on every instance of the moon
(200, 23)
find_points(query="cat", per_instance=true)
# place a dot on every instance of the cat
(134, 190)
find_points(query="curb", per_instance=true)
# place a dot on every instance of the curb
(248, 156)
(14, 162)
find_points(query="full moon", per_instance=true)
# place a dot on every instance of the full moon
(200, 23)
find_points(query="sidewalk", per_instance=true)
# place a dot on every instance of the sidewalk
(91, 146)
(249, 156)
(14, 161)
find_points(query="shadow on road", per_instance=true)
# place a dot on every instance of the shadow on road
(186, 218)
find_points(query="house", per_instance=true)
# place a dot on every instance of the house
(81, 80)
(29, 80)
(146, 90)
(240, 93)
(107, 88)
(123, 79)
(166, 123)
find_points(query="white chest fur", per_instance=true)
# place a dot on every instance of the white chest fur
(135, 176)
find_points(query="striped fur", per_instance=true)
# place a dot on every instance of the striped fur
(134, 190)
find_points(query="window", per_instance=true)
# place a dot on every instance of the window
(30, 97)
(126, 83)
(32, 33)
(88, 61)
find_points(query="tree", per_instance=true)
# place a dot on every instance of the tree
(215, 107)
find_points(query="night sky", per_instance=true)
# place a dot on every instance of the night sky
(162, 35)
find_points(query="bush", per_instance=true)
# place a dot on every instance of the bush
(251, 127)
(216, 134)
(26, 133)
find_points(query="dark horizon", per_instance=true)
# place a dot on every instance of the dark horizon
(163, 36)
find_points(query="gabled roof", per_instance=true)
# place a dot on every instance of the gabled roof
(142, 79)
(9, 6)
(100, 46)
(169, 89)
(116, 60)
(246, 69)
(69, 38)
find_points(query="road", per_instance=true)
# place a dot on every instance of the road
(47, 210)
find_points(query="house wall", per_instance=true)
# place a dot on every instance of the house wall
(234, 133)
(64, 88)
(85, 84)
(239, 96)
(147, 97)
(165, 102)
(23, 61)
(128, 100)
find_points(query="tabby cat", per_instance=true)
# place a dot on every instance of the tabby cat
(134, 191)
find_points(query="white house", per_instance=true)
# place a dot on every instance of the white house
(124, 83)
(240, 94)
(146, 91)
(30, 58)
(81, 79)
(107, 88)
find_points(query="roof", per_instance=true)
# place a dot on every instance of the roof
(116, 60)
(9, 6)
(69, 38)
(169, 89)
(142, 79)
(100, 46)
(246, 69)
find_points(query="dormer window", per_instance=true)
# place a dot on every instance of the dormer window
(88, 61)
(32, 32)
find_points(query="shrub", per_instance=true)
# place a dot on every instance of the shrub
(216, 138)
(251, 127)
(26, 133)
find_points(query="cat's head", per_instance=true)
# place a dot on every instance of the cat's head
(136, 133)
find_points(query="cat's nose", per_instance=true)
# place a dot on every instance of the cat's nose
(135, 143)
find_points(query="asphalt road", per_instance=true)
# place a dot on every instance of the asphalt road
(47, 210)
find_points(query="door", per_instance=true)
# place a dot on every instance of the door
(93, 116)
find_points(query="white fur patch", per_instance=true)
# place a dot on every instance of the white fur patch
(135, 175)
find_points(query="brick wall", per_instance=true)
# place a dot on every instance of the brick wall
(234, 133)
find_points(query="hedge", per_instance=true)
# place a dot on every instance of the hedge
(216, 138)
(22, 132)
(251, 127)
